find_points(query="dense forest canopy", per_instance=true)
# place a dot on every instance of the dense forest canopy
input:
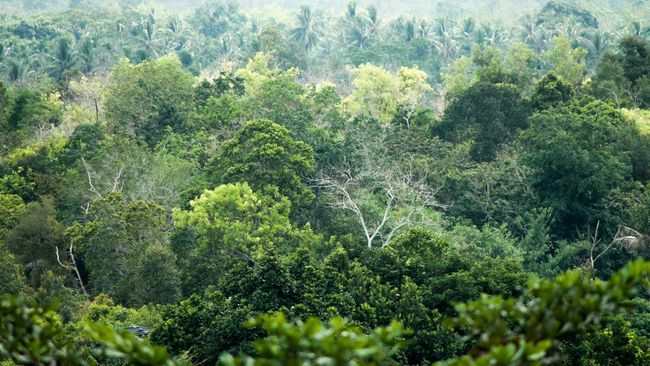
(307, 183)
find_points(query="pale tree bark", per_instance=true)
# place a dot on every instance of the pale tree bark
(405, 203)
(625, 236)
(72, 266)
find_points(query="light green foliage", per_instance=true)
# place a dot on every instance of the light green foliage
(375, 94)
(141, 100)
(641, 118)
(413, 87)
(12, 208)
(567, 62)
(312, 342)
(378, 94)
(258, 71)
(128, 348)
(231, 223)
(34, 335)
(29, 335)
(492, 65)
(186, 167)
(234, 216)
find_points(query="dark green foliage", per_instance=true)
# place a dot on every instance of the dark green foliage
(36, 237)
(624, 77)
(527, 331)
(232, 190)
(551, 91)
(487, 114)
(124, 244)
(554, 11)
(578, 157)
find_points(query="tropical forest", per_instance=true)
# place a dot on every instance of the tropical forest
(325, 183)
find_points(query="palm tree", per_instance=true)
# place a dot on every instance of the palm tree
(64, 59)
(597, 43)
(410, 30)
(424, 29)
(308, 30)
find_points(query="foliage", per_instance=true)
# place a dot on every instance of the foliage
(577, 158)
(264, 154)
(488, 114)
(331, 170)
(522, 332)
(312, 342)
(141, 100)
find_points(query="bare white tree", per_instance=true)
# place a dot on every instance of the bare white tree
(625, 236)
(72, 266)
(406, 199)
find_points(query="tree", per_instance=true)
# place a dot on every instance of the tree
(12, 208)
(413, 87)
(375, 94)
(216, 18)
(36, 236)
(157, 278)
(577, 154)
(230, 223)
(115, 247)
(379, 94)
(12, 278)
(35, 335)
(551, 91)
(263, 154)
(307, 31)
(383, 197)
(624, 77)
(488, 114)
(566, 62)
(141, 100)
(310, 342)
(528, 331)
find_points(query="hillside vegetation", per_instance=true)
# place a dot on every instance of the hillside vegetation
(288, 183)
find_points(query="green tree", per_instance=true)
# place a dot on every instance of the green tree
(36, 237)
(578, 156)
(12, 208)
(263, 154)
(143, 99)
(551, 91)
(307, 30)
(566, 62)
(312, 342)
(530, 330)
(487, 114)
(230, 223)
(12, 278)
(115, 246)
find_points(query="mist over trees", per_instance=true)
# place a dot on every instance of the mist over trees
(308, 183)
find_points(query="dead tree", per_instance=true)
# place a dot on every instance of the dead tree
(72, 266)
(406, 199)
(625, 236)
